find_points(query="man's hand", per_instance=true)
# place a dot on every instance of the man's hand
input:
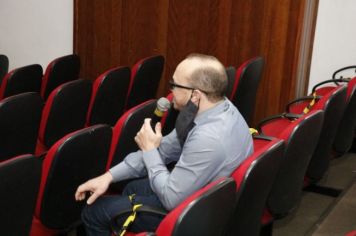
(146, 139)
(96, 187)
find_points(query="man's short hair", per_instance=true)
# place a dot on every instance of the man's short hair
(210, 76)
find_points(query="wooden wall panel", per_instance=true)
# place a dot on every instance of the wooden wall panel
(119, 32)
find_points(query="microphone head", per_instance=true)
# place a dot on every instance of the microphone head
(163, 104)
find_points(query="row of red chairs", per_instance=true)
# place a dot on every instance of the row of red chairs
(329, 137)
(302, 138)
(74, 105)
(66, 68)
(31, 79)
(299, 147)
(259, 180)
(68, 107)
(309, 138)
(81, 155)
(74, 158)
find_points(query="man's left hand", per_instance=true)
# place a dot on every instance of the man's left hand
(146, 138)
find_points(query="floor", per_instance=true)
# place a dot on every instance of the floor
(323, 215)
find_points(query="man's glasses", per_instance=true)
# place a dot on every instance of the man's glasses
(173, 85)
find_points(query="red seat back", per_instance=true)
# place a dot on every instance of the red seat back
(21, 80)
(64, 112)
(108, 97)
(244, 91)
(333, 105)
(254, 179)
(169, 118)
(19, 183)
(20, 117)
(231, 76)
(300, 137)
(60, 71)
(72, 160)
(145, 77)
(206, 212)
(346, 131)
(4, 66)
(126, 129)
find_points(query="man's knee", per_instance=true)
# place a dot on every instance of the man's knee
(86, 215)
(94, 223)
(95, 216)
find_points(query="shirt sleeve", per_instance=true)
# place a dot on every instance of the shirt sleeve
(195, 168)
(133, 166)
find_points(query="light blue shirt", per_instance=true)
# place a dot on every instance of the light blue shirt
(217, 144)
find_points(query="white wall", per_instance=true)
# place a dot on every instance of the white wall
(335, 39)
(35, 31)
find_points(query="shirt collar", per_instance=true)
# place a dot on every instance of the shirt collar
(212, 112)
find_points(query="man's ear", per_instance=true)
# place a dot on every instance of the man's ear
(196, 95)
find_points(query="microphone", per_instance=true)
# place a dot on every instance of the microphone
(163, 105)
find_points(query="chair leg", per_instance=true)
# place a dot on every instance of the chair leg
(324, 190)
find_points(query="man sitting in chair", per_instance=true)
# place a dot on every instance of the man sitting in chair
(209, 141)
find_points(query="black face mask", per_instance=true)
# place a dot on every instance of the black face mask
(185, 121)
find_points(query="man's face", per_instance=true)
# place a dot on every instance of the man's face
(181, 95)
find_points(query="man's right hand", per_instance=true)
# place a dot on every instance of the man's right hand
(96, 187)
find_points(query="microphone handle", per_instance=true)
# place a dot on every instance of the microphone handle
(154, 120)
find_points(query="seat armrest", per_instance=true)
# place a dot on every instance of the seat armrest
(343, 69)
(143, 209)
(302, 99)
(263, 137)
(290, 116)
(335, 81)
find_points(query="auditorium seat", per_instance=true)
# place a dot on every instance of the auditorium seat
(126, 129)
(4, 66)
(64, 112)
(333, 104)
(21, 80)
(169, 118)
(206, 212)
(60, 71)
(19, 183)
(230, 72)
(245, 86)
(345, 74)
(74, 159)
(108, 96)
(346, 129)
(254, 178)
(20, 117)
(145, 78)
(301, 136)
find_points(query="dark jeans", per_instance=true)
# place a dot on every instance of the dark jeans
(97, 217)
